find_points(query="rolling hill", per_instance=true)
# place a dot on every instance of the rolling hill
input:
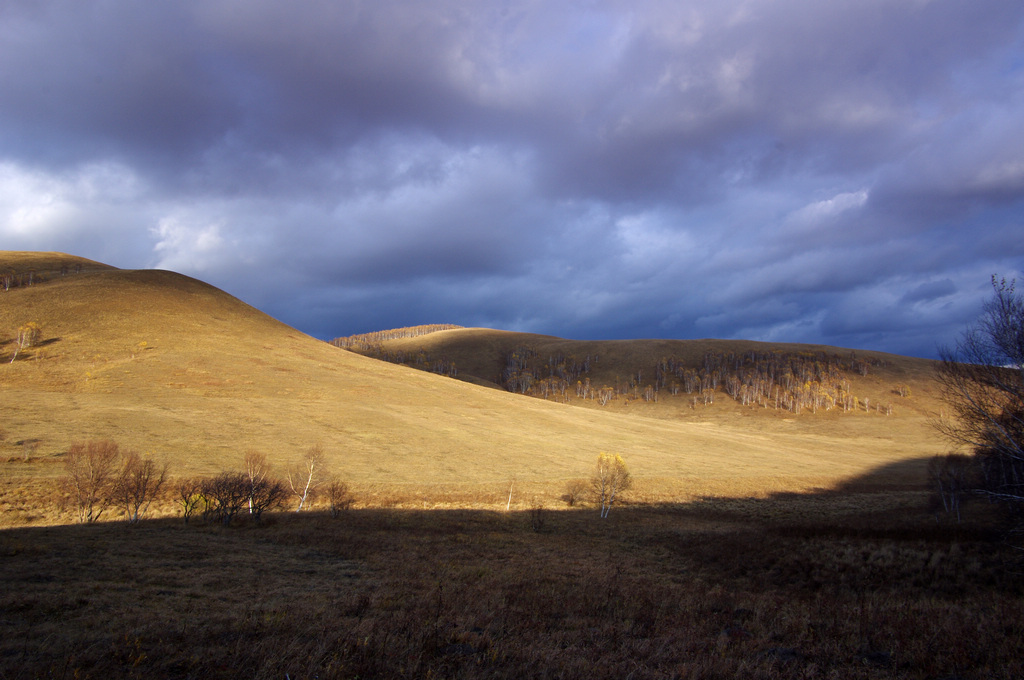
(177, 369)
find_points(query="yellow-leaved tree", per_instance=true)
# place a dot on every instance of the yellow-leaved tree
(611, 478)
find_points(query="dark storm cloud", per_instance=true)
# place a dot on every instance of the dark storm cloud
(842, 172)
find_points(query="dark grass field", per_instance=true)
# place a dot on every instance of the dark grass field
(840, 585)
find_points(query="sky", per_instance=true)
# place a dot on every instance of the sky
(848, 172)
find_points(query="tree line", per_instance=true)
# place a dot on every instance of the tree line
(372, 345)
(524, 372)
(797, 382)
(13, 279)
(99, 477)
(366, 341)
(791, 381)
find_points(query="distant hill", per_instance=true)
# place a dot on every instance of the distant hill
(672, 378)
(180, 370)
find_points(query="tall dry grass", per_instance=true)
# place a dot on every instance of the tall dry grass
(745, 588)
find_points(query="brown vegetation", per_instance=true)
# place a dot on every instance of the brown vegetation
(863, 581)
(137, 485)
(90, 472)
(200, 376)
(982, 381)
(858, 585)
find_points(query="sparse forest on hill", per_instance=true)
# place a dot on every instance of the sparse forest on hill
(796, 380)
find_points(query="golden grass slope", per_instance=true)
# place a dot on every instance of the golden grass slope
(479, 353)
(180, 370)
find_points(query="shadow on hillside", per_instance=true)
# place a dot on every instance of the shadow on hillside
(903, 475)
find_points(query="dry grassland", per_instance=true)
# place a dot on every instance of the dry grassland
(756, 544)
(816, 586)
(181, 371)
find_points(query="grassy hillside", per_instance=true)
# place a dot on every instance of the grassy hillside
(892, 398)
(182, 371)
(480, 355)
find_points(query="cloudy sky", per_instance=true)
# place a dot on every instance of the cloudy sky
(848, 172)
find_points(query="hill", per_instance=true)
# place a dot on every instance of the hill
(817, 391)
(182, 371)
(574, 371)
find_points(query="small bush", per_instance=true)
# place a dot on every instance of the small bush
(339, 497)
(575, 491)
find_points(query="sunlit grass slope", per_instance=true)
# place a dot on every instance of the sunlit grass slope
(479, 356)
(180, 370)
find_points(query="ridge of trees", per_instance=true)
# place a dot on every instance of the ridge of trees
(367, 341)
(790, 381)
(797, 382)
(15, 279)
(372, 345)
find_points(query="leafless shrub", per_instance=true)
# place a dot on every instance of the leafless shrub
(190, 496)
(226, 495)
(339, 497)
(265, 494)
(137, 484)
(90, 471)
(575, 491)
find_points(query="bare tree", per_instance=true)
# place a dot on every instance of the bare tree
(137, 484)
(339, 497)
(190, 496)
(226, 494)
(304, 479)
(90, 470)
(951, 478)
(611, 477)
(982, 382)
(265, 492)
(256, 468)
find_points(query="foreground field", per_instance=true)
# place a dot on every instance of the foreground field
(839, 585)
